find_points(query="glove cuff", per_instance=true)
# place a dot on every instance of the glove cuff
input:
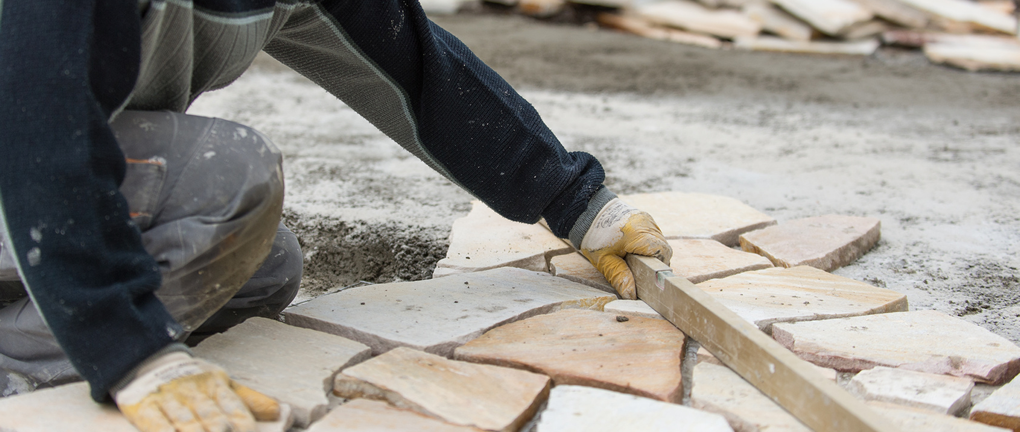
(133, 373)
(599, 200)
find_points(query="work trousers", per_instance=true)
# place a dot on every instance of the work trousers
(207, 195)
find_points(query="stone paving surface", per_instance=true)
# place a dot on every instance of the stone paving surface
(1001, 408)
(293, 365)
(830, 374)
(718, 389)
(924, 341)
(909, 419)
(439, 315)
(576, 268)
(939, 393)
(586, 409)
(484, 240)
(825, 242)
(639, 356)
(702, 216)
(632, 308)
(774, 295)
(483, 396)
(363, 415)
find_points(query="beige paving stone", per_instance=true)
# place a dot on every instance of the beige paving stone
(485, 240)
(825, 242)
(70, 408)
(364, 415)
(639, 356)
(774, 295)
(938, 393)
(1001, 408)
(586, 409)
(924, 341)
(632, 308)
(718, 389)
(909, 419)
(576, 268)
(291, 364)
(702, 216)
(483, 396)
(439, 315)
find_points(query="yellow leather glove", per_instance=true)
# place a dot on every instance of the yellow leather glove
(618, 230)
(178, 393)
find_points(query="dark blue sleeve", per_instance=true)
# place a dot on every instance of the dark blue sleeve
(426, 90)
(65, 67)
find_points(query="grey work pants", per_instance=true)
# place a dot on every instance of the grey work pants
(207, 195)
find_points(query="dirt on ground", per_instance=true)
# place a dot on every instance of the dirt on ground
(931, 151)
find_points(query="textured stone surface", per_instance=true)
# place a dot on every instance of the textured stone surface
(1002, 408)
(70, 407)
(576, 268)
(363, 415)
(924, 341)
(640, 356)
(703, 216)
(632, 308)
(939, 393)
(485, 240)
(718, 389)
(586, 409)
(439, 315)
(825, 242)
(484, 396)
(291, 364)
(909, 419)
(802, 293)
(829, 374)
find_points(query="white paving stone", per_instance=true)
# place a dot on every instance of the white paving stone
(439, 315)
(586, 409)
(291, 364)
(485, 240)
(700, 216)
(924, 341)
(939, 393)
(632, 308)
(1001, 408)
(70, 408)
(718, 389)
(363, 415)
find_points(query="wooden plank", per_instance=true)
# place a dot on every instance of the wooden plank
(966, 12)
(777, 372)
(641, 27)
(778, 22)
(896, 12)
(831, 17)
(694, 17)
(765, 43)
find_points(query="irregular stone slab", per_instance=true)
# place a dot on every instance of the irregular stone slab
(70, 407)
(696, 260)
(924, 341)
(909, 419)
(483, 396)
(291, 364)
(1002, 408)
(831, 17)
(644, 28)
(632, 308)
(703, 216)
(719, 390)
(966, 12)
(774, 295)
(825, 242)
(586, 409)
(639, 356)
(439, 315)
(696, 18)
(485, 240)
(363, 415)
(938, 393)
(778, 22)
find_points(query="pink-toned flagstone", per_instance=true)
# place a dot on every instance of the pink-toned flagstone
(698, 215)
(825, 242)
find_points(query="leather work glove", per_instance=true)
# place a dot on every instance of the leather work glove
(178, 393)
(616, 231)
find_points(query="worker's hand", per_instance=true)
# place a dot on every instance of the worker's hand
(618, 230)
(176, 392)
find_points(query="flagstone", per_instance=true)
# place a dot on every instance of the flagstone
(57, 409)
(483, 396)
(485, 240)
(1001, 408)
(803, 293)
(439, 315)
(575, 267)
(938, 393)
(364, 415)
(825, 242)
(639, 356)
(586, 409)
(632, 308)
(702, 216)
(924, 341)
(291, 364)
(720, 390)
(909, 419)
